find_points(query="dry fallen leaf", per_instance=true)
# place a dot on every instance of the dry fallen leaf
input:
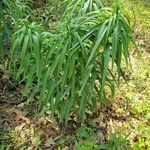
(49, 142)
(5, 77)
(65, 148)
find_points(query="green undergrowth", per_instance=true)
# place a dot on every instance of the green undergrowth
(139, 13)
(136, 102)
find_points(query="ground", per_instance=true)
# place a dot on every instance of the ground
(123, 124)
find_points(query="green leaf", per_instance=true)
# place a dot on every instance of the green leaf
(147, 116)
(105, 63)
(101, 34)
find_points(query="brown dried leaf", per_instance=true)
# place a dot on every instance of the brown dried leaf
(65, 148)
(49, 142)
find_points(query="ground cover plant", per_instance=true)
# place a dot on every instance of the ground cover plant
(67, 67)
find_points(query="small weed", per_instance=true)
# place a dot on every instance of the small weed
(142, 140)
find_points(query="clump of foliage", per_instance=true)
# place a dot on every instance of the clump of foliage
(70, 69)
(11, 11)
